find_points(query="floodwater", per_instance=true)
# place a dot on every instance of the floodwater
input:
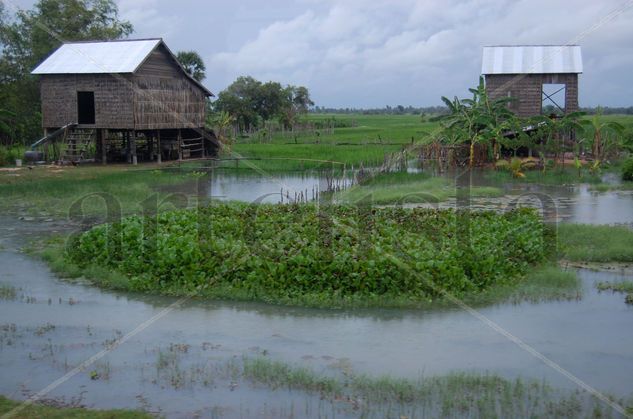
(177, 365)
(576, 204)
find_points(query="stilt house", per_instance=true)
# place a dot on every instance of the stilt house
(130, 98)
(534, 75)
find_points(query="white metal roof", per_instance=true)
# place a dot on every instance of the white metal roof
(532, 59)
(98, 57)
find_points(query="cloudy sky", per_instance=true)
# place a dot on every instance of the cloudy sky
(372, 53)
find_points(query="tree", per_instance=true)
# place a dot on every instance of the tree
(31, 35)
(193, 64)
(250, 102)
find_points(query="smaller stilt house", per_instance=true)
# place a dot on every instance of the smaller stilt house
(130, 98)
(534, 75)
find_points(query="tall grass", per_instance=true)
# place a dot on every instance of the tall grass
(401, 188)
(594, 243)
(452, 395)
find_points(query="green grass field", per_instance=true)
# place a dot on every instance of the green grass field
(367, 140)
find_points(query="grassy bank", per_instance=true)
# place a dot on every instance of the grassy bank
(337, 255)
(36, 411)
(556, 176)
(401, 188)
(595, 243)
(53, 190)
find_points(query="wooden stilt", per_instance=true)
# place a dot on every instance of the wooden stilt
(150, 147)
(179, 145)
(133, 148)
(128, 151)
(104, 149)
(160, 150)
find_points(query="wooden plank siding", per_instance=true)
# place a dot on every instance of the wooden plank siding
(165, 97)
(113, 99)
(528, 90)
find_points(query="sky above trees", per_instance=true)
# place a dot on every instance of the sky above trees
(371, 53)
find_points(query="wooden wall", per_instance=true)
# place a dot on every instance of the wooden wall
(528, 89)
(165, 97)
(113, 99)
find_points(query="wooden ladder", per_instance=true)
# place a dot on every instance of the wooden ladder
(77, 141)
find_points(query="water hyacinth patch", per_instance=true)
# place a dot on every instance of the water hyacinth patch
(272, 252)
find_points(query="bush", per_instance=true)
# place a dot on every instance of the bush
(627, 170)
(8, 155)
(277, 251)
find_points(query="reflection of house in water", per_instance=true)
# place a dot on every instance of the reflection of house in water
(534, 75)
(131, 97)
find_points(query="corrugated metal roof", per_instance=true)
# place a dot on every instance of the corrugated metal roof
(98, 57)
(532, 59)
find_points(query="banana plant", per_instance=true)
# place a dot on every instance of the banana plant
(221, 122)
(480, 119)
(601, 131)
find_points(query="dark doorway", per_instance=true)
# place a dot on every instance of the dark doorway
(86, 108)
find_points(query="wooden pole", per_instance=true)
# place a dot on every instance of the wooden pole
(160, 150)
(133, 148)
(104, 146)
(179, 145)
(128, 152)
(150, 147)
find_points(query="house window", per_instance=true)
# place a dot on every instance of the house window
(553, 99)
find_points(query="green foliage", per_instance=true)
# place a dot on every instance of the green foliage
(252, 102)
(8, 155)
(193, 64)
(594, 243)
(275, 253)
(627, 170)
(31, 35)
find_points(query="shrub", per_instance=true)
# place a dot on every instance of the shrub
(627, 170)
(272, 251)
(8, 155)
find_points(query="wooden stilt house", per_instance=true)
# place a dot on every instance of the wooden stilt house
(131, 99)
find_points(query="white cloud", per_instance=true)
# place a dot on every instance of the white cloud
(371, 53)
(147, 18)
